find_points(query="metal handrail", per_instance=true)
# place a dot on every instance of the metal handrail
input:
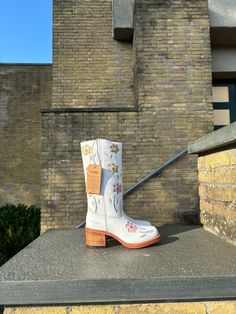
(155, 172)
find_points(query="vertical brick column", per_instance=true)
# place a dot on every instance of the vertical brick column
(173, 67)
(173, 88)
(24, 89)
(90, 68)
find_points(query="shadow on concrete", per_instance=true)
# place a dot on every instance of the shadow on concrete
(167, 232)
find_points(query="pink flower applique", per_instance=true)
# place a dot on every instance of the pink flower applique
(117, 188)
(131, 227)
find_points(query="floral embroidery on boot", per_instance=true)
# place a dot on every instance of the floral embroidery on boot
(114, 148)
(131, 227)
(86, 150)
(113, 168)
(117, 188)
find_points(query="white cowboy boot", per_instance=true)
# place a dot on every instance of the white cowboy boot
(105, 214)
(86, 151)
(137, 221)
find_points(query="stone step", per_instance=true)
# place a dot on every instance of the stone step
(189, 264)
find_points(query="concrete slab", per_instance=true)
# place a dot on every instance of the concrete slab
(222, 13)
(220, 138)
(188, 264)
(122, 19)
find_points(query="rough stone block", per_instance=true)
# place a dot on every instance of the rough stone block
(36, 310)
(222, 193)
(95, 309)
(221, 175)
(168, 308)
(217, 191)
(221, 307)
(219, 159)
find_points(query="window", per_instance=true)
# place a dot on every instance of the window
(224, 102)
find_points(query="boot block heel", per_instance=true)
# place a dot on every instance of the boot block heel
(94, 238)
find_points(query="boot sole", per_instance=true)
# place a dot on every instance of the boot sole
(97, 239)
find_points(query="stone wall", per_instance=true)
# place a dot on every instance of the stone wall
(217, 189)
(24, 89)
(213, 307)
(164, 78)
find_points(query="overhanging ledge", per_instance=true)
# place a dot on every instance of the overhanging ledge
(189, 264)
(117, 290)
(122, 19)
(218, 139)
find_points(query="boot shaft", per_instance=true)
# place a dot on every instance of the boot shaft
(105, 215)
(108, 155)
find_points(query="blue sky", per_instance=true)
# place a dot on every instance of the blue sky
(26, 31)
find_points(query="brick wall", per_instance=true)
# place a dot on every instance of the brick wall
(89, 68)
(172, 93)
(217, 189)
(24, 89)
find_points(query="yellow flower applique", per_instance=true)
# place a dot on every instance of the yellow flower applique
(86, 150)
(114, 148)
(113, 168)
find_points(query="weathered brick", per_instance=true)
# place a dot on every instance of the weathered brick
(36, 310)
(24, 89)
(220, 159)
(98, 309)
(217, 190)
(221, 192)
(221, 307)
(90, 69)
(202, 191)
(225, 209)
(168, 308)
(224, 175)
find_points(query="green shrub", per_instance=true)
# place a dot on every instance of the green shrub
(19, 225)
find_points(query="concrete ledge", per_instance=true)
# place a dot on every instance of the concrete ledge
(188, 264)
(122, 19)
(215, 140)
(222, 13)
(117, 290)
